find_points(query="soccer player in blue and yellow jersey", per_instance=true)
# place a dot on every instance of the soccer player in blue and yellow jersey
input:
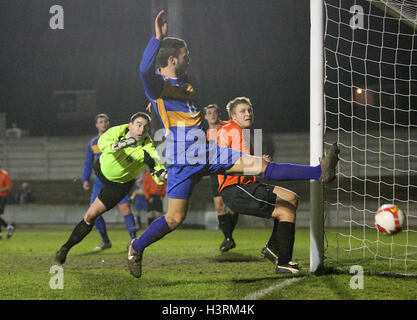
(189, 155)
(126, 150)
(102, 122)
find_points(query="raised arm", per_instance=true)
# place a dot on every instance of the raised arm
(161, 26)
(153, 84)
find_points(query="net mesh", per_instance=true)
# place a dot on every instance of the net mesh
(371, 111)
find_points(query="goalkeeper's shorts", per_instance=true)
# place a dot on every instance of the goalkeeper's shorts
(112, 192)
(97, 186)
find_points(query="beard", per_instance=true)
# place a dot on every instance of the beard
(181, 71)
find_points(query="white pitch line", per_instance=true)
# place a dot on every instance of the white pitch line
(259, 294)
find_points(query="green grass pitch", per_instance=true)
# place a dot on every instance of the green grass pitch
(185, 265)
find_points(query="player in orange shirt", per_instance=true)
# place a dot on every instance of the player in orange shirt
(5, 187)
(246, 195)
(227, 219)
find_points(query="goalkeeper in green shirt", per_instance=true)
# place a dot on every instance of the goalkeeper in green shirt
(126, 149)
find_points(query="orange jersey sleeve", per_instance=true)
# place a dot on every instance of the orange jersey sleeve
(150, 187)
(5, 182)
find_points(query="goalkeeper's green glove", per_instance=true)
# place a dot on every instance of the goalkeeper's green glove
(119, 145)
(160, 176)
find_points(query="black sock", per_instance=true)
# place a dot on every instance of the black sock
(235, 217)
(286, 237)
(78, 234)
(226, 224)
(273, 239)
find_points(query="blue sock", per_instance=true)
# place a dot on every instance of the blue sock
(287, 171)
(154, 232)
(130, 224)
(100, 225)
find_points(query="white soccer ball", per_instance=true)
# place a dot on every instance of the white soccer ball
(389, 219)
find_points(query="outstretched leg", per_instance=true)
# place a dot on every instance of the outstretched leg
(81, 230)
(251, 165)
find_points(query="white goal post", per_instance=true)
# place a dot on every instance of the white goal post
(316, 134)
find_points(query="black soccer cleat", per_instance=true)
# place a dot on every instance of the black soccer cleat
(61, 255)
(134, 261)
(328, 164)
(227, 244)
(270, 255)
(287, 268)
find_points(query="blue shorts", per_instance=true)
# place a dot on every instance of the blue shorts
(97, 188)
(183, 177)
(141, 204)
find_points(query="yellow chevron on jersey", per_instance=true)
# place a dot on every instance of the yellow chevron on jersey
(95, 149)
(177, 118)
(184, 119)
(183, 93)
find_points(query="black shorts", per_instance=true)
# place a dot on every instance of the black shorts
(112, 192)
(3, 201)
(214, 185)
(254, 199)
(156, 204)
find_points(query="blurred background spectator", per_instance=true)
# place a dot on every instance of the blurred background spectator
(25, 194)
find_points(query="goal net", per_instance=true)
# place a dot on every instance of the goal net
(370, 103)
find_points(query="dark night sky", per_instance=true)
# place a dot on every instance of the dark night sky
(259, 49)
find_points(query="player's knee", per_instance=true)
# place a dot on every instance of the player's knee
(287, 215)
(220, 209)
(174, 220)
(285, 210)
(258, 165)
(94, 211)
(294, 201)
(90, 218)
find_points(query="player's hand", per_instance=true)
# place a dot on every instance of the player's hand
(123, 143)
(267, 157)
(162, 175)
(161, 27)
(149, 107)
(86, 185)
